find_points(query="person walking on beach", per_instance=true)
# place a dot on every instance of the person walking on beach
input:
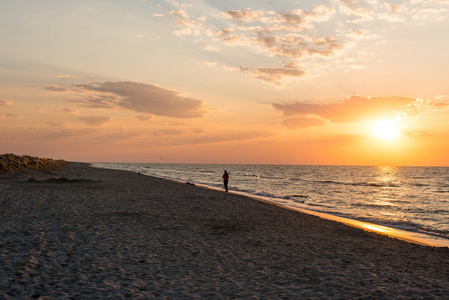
(225, 180)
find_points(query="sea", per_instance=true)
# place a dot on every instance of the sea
(412, 199)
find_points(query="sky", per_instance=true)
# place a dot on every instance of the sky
(337, 82)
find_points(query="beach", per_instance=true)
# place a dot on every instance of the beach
(83, 232)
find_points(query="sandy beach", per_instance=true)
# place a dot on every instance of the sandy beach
(86, 233)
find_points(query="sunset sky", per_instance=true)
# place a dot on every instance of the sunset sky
(341, 82)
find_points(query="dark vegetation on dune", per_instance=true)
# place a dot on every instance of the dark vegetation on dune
(15, 163)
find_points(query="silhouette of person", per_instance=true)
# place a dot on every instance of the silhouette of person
(225, 180)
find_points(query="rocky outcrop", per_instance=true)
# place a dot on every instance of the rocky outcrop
(13, 163)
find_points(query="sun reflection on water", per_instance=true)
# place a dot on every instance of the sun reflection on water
(386, 175)
(387, 181)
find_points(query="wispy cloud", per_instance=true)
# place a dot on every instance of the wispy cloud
(4, 102)
(302, 123)
(168, 132)
(244, 15)
(190, 27)
(356, 108)
(67, 133)
(280, 34)
(297, 34)
(58, 124)
(276, 76)
(240, 136)
(65, 110)
(65, 76)
(57, 88)
(118, 135)
(95, 120)
(10, 116)
(70, 111)
(178, 4)
(289, 35)
(144, 118)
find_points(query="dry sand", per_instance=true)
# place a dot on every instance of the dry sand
(114, 234)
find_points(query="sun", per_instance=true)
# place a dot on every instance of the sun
(386, 129)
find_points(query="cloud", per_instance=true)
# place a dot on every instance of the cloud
(4, 102)
(391, 17)
(95, 120)
(57, 88)
(182, 19)
(289, 35)
(184, 31)
(430, 10)
(294, 20)
(177, 123)
(311, 37)
(296, 46)
(59, 124)
(241, 136)
(278, 33)
(70, 111)
(171, 132)
(139, 97)
(65, 110)
(144, 118)
(305, 19)
(211, 48)
(302, 122)
(356, 108)
(338, 139)
(275, 32)
(244, 15)
(65, 76)
(96, 100)
(10, 116)
(175, 3)
(179, 14)
(350, 10)
(66, 133)
(199, 130)
(120, 135)
(274, 76)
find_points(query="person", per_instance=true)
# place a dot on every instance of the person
(225, 180)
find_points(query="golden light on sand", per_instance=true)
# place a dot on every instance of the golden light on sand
(386, 129)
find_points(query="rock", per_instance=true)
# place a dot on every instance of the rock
(12, 163)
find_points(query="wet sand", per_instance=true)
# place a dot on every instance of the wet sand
(80, 232)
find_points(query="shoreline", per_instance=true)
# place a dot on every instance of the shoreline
(404, 235)
(86, 232)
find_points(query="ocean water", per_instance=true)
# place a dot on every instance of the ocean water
(414, 199)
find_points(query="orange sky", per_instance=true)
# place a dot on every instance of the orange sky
(199, 82)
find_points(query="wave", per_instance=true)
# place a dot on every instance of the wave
(408, 225)
(356, 183)
(319, 205)
(375, 205)
(263, 194)
(404, 224)
(296, 196)
(272, 177)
